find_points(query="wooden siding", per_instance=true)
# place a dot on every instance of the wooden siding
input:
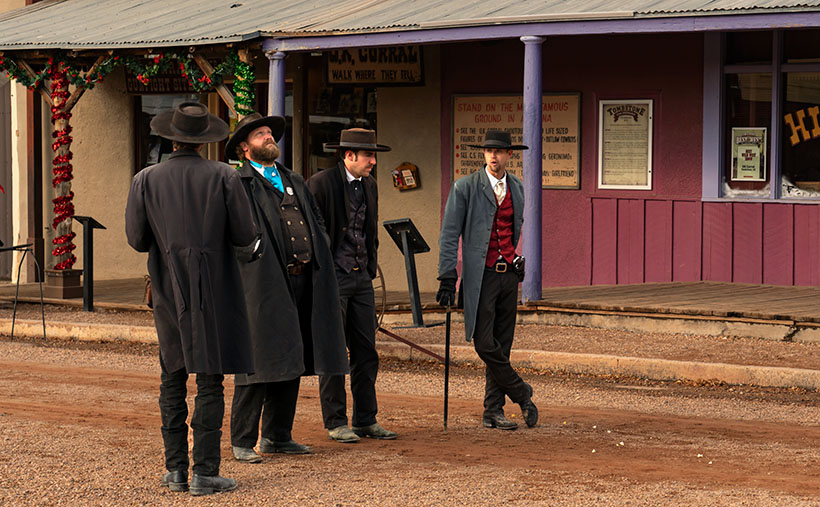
(656, 240)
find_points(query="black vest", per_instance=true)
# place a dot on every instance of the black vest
(352, 252)
(294, 231)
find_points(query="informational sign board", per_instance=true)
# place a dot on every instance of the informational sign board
(171, 82)
(749, 154)
(473, 115)
(625, 144)
(376, 66)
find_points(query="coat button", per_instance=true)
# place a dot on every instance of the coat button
(292, 238)
(344, 229)
(288, 222)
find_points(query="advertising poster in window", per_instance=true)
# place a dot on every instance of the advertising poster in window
(625, 144)
(749, 154)
(473, 115)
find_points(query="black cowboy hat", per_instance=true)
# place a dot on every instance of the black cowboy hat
(250, 123)
(190, 122)
(498, 139)
(358, 139)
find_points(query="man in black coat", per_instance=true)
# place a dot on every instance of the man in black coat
(347, 197)
(189, 213)
(292, 296)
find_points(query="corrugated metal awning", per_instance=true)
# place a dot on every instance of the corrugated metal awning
(111, 24)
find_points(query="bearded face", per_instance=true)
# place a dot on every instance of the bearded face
(265, 153)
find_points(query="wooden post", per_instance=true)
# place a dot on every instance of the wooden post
(221, 89)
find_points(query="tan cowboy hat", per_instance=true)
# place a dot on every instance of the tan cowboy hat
(190, 122)
(498, 139)
(358, 139)
(250, 123)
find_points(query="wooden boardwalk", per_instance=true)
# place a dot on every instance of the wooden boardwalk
(708, 299)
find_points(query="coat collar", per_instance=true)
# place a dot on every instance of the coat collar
(184, 153)
(486, 189)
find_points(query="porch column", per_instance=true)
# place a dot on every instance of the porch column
(531, 288)
(276, 93)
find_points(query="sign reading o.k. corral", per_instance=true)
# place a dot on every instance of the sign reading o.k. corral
(392, 65)
(473, 115)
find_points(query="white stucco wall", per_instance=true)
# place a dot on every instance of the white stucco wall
(409, 122)
(103, 150)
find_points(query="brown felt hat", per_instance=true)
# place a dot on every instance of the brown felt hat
(498, 139)
(359, 139)
(250, 123)
(190, 122)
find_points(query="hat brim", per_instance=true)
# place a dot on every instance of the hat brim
(275, 123)
(357, 146)
(217, 129)
(499, 147)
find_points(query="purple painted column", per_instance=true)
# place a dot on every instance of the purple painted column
(276, 92)
(531, 288)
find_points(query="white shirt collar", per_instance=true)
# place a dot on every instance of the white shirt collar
(350, 177)
(494, 180)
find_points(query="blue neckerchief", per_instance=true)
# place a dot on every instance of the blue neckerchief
(270, 174)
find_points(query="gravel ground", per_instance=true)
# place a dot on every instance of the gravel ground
(684, 347)
(79, 425)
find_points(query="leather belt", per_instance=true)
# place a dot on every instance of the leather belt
(297, 268)
(499, 267)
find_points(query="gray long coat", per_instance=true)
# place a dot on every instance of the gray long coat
(188, 213)
(469, 214)
(278, 350)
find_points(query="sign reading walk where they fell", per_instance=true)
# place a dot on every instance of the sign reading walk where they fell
(395, 65)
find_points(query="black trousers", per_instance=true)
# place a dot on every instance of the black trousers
(493, 338)
(359, 316)
(275, 402)
(209, 408)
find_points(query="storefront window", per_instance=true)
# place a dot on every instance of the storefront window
(800, 138)
(771, 116)
(748, 115)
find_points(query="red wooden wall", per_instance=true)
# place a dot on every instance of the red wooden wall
(655, 240)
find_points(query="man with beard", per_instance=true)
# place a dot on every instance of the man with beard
(292, 296)
(347, 196)
(188, 213)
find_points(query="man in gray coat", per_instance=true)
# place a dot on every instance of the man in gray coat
(486, 210)
(292, 296)
(189, 213)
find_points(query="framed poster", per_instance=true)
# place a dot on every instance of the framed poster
(625, 144)
(473, 115)
(749, 154)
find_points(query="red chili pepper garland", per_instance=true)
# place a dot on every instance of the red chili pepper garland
(62, 169)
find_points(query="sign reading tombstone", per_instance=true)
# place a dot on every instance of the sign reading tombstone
(395, 65)
(625, 144)
(473, 115)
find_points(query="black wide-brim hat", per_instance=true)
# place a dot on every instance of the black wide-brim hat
(190, 122)
(358, 139)
(498, 139)
(250, 123)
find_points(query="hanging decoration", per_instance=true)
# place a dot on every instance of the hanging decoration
(62, 169)
(243, 85)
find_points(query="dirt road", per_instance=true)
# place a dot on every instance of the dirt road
(79, 425)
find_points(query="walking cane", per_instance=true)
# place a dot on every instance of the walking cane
(446, 365)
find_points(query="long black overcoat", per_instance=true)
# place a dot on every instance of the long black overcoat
(278, 350)
(188, 213)
(328, 187)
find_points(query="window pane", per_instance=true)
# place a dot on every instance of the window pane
(748, 110)
(800, 140)
(801, 46)
(748, 47)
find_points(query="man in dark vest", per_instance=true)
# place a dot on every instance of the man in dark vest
(347, 196)
(189, 213)
(486, 210)
(292, 296)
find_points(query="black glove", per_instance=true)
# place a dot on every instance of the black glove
(446, 295)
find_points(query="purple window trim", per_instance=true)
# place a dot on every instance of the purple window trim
(712, 165)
